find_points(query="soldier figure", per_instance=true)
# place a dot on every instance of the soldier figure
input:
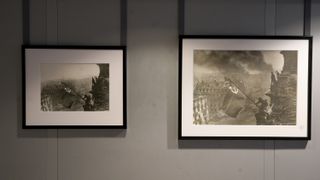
(262, 115)
(88, 105)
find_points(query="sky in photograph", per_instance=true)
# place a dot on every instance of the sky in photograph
(247, 62)
(56, 71)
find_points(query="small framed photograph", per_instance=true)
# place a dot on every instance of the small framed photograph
(74, 86)
(247, 87)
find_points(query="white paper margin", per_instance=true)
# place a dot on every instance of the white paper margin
(34, 115)
(298, 130)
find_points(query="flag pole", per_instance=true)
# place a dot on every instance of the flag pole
(242, 91)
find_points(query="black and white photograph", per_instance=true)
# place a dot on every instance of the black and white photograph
(244, 87)
(74, 86)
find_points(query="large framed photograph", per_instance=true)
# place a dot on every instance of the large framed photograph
(247, 87)
(74, 86)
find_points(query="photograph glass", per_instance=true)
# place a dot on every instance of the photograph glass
(245, 87)
(74, 86)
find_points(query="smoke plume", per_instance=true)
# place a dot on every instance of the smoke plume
(246, 62)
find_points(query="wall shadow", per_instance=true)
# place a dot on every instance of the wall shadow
(242, 144)
(98, 133)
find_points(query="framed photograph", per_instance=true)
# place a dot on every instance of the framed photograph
(247, 87)
(74, 86)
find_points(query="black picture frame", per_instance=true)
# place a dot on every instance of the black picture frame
(189, 43)
(113, 55)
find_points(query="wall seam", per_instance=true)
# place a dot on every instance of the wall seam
(57, 36)
(274, 142)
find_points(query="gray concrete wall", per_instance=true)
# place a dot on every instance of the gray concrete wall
(149, 149)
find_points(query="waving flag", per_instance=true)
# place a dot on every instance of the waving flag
(234, 100)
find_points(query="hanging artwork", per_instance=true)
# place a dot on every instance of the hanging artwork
(74, 86)
(245, 86)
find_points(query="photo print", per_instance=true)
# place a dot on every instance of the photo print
(244, 87)
(74, 87)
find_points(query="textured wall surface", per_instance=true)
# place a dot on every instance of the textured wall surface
(149, 148)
